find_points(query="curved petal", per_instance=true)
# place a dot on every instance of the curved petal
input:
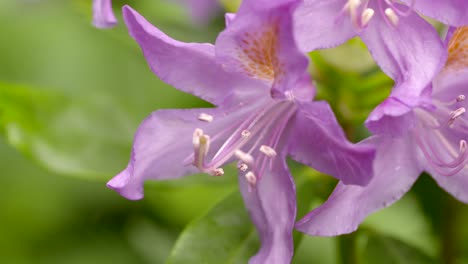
(103, 16)
(259, 43)
(395, 169)
(411, 53)
(162, 147)
(320, 24)
(317, 140)
(228, 18)
(189, 67)
(272, 207)
(456, 185)
(391, 117)
(450, 12)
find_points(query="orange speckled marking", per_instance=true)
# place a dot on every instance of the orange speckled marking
(258, 53)
(458, 49)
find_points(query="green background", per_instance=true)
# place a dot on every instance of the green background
(71, 97)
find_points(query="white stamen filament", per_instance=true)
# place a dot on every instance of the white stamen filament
(367, 16)
(437, 147)
(268, 151)
(205, 117)
(251, 178)
(392, 16)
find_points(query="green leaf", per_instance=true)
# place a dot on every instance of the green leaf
(405, 221)
(63, 134)
(385, 250)
(224, 234)
(98, 89)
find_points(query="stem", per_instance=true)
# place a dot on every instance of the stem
(348, 249)
(449, 230)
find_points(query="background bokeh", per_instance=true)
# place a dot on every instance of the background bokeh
(71, 97)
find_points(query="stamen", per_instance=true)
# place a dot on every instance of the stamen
(201, 145)
(205, 117)
(218, 172)
(367, 16)
(243, 167)
(352, 4)
(244, 157)
(392, 16)
(245, 133)
(251, 178)
(462, 146)
(460, 98)
(456, 114)
(268, 151)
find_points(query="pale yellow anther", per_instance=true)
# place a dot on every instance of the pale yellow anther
(218, 172)
(243, 167)
(205, 117)
(245, 133)
(462, 145)
(392, 16)
(196, 137)
(251, 178)
(268, 151)
(367, 16)
(244, 157)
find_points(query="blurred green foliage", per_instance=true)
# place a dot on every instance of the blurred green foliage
(71, 97)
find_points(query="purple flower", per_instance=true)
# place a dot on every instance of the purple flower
(393, 33)
(103, 16)
(436, 143)
(264, 111)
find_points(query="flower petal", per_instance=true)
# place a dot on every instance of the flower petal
(103, 16)
(162, 147)
(320, 24)
(259, 43)
(451, 12)
(190, 67)
(391, 117)
(272, 207)
(317, 140)
(456, 185)
(228, 18)
(411, 53)
(453, 79)
(395, 172)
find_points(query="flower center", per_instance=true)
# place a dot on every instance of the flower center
(436, 133)
(361, 14)
(252, 141)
